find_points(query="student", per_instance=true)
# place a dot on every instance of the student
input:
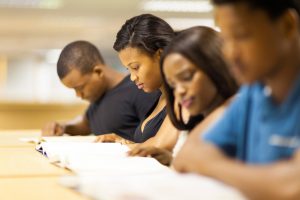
(117, 106)
(196, 76)
(254, 146)
(140, 43)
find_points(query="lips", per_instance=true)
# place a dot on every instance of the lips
(187, 102)
(140, 85)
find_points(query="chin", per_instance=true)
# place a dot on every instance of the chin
(147, 90)
(193, 113)
(247, 80)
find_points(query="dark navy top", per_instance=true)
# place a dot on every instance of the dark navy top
(151, 127)
(120, 110)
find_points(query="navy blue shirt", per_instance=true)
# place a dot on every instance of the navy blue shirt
(120, 110)
(257, 130)
(151, 127)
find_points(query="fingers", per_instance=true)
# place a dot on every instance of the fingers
(59, 129)
(135, 151)
(49, 129)
(108, 138)
(142, 151)
(164, 159)
(161, 155)
(99, 138)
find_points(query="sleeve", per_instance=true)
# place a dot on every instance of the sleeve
(227, 132)
(144, 102)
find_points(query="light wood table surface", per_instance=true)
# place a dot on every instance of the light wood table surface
(27, 174)
(37, 188)
(11, 138)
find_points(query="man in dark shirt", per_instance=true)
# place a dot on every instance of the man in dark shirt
(117, 105)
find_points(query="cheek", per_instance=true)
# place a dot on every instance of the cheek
(261, 51)
(205, 91)
(95, 89)
(150, 75)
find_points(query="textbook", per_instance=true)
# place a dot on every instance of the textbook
(65, 152)
(156, 186)
(85, 157)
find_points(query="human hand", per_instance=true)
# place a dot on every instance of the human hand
(53, 129)
(112, 137)
(161, 155)
(198, 157)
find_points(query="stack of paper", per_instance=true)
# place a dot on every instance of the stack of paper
(158, 186)
(82, 155)
(104, 171)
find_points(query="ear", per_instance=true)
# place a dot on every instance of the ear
(158, 54)
(98, 70)
(290, 24)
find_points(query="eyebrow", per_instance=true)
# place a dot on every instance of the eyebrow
(132, 63)
(78, 86)
(183, 71)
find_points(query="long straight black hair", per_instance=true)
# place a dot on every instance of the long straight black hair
(201, 46)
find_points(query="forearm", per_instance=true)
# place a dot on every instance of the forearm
(164, 141)
(274, 181)
(75, 129)
(78, 126)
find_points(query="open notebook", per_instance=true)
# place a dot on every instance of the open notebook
(154, 186)
(83, 155)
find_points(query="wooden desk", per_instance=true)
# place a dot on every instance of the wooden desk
(11, 138)
(26, 174)
(36, 188)
(26, 162)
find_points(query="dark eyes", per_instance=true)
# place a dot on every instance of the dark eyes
(136, 67)
(187, 76)
(182, 79)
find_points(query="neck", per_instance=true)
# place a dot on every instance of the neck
(162, 98)
(282, 81)
(113, 77)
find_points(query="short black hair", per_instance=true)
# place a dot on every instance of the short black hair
(203, 47)
(274, 8)
(81, 55)
(145, 32)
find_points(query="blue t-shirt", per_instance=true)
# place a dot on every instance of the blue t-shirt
(255, 129)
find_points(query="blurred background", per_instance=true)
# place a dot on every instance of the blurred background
(33, 32)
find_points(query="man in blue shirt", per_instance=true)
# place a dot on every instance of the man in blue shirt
(254, 146)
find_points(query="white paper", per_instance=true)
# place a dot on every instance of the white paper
(159, 186)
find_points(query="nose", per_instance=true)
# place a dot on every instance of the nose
(133, 76)
(180, 90)
(79, 94)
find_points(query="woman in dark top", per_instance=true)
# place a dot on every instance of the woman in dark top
(140, 43)
(196, 78)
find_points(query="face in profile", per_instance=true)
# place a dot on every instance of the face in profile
(192, 88)
(144, 69)
(90, 86)
(254, 44)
